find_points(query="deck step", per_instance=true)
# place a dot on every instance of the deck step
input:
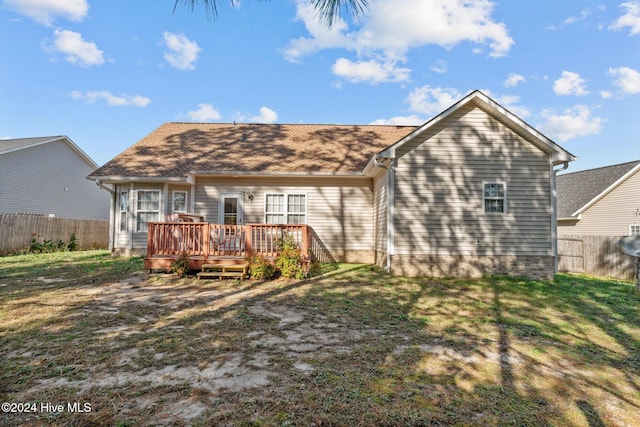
(223, 270)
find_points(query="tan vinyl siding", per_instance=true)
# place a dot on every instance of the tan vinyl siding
(380, 212)
(34, 179)
(439, 189)
(611, 215)
(339, 210)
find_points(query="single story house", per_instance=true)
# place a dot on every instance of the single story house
(47, 176)
(469, 192)
(603, 201)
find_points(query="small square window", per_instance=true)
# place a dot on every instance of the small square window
(634, 230)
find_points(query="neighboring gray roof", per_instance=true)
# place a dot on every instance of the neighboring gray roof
(9, 145)
(16, 144)
(578, 190)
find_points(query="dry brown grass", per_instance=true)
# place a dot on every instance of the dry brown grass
(351, 347)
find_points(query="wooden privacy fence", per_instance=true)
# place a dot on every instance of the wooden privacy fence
(596, 256)
(17, 231)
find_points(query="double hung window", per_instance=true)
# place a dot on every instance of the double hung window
(286, 209)
(179, 203)
(147, 209)
(494, 197)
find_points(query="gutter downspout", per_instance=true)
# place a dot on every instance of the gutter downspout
(554, 214)
(112, 211)
(387, 163)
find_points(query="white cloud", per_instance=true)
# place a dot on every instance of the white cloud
(584, 14)
(322, 37)
(513, 80)
(439, 67)
(204, 113)
(630, 19)
(182, 53)
(626, 78)
(77, 50)
(372, 71)
(412, 120)
(432, 100)
(571, 123)
(390, 31)
(570, 84)
(267, 115)
(510, 102)
(45, 11)
(124, 100)
(429, 100)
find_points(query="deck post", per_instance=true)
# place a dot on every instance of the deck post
(205, 240)
(248, 250)
(150, 232)
(305, 240)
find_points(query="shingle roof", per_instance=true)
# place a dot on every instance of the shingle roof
(14, 144)
(176, 149)
(576, 189)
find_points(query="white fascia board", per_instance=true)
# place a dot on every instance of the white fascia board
(121, 179)
(607, 191)
(571, 218)
(276, 174)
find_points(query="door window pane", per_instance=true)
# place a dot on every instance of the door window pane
(230, 210)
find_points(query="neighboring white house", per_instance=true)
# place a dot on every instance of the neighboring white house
(602, 201)
(47, 176)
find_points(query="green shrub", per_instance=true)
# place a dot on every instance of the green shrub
(48, 246)
(72, 245)
(181, 265)
(289, 260)
(260, 268)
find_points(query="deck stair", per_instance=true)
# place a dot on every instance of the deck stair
(223, 271)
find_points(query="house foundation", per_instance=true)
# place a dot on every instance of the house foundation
(534, 267)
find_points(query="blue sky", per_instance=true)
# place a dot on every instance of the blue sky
(106, 73)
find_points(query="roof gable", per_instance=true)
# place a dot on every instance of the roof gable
(177, 150)
(11, 145)
(479, 99)
(577, 191)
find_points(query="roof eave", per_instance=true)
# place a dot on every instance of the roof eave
(258, 174)
(115, 179)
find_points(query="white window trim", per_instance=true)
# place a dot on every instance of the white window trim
(286, 213)
(173, 201)
(137, 212)
(240, 219)
(504, 185)
(631, 226)
(123, 213)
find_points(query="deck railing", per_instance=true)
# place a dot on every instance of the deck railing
(168, 239)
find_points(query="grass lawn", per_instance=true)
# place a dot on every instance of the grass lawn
(354, 346)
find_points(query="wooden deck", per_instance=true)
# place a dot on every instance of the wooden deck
(207, 243)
